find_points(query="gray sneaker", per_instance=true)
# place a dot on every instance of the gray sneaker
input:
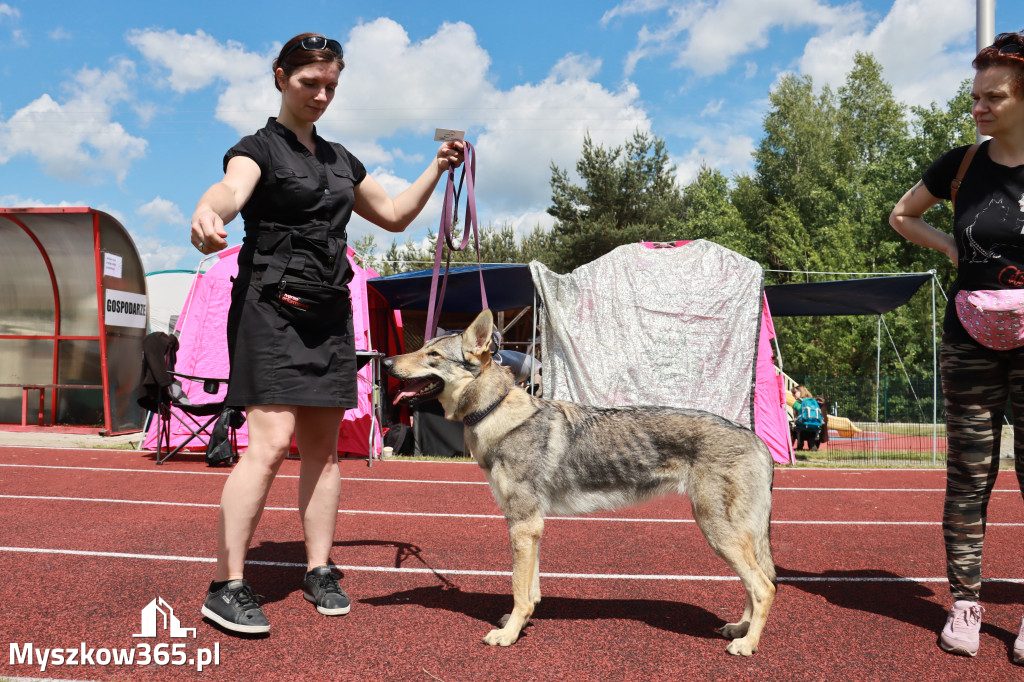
(960, 636)
(235, 607)
(321, 587)
(1018, 645)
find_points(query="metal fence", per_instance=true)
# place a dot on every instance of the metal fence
(890, 421)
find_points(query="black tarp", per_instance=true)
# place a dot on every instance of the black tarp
(869, 296)
(509, 286)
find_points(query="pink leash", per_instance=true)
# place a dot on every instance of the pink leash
(450, 216)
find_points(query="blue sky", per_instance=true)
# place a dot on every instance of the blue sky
(129, 107)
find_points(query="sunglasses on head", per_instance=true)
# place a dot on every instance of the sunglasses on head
(315, 43)
(1012, 48)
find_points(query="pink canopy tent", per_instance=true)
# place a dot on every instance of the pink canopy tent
(770, 421)
(203, 351)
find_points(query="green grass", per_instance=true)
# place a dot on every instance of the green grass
(907, 429)
(428, 458)
(866, 459)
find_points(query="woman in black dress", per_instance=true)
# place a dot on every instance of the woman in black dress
(290, 338)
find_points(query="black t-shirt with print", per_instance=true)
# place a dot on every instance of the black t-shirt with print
(988, 225)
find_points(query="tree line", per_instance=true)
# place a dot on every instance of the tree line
(827, 171)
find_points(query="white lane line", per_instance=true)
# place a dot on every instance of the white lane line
(227, 472)
(501, 573)
(609, 519)
(450, 571)
(776, 488)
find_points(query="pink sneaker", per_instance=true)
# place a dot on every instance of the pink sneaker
(960, 636)
(1018, 645)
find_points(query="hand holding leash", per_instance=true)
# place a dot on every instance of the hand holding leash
(451, 154)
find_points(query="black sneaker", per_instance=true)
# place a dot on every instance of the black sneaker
(321, 587)
(235, 607)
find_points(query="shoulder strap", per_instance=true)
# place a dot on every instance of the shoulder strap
(954, 186)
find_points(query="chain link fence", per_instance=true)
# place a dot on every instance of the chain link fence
(886, 422)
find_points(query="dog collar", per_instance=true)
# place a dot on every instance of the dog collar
(473, 419)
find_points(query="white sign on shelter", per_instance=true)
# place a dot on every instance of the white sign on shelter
(125, 309)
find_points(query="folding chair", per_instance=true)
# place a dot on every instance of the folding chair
(162, 394)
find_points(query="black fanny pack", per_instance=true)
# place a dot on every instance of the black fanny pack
(309, 305)
(296, 292)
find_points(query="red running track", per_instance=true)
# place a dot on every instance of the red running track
(90, 537)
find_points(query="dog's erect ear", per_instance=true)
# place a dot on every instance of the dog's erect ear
(476, 340)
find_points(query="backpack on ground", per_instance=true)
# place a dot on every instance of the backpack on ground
(809, 416)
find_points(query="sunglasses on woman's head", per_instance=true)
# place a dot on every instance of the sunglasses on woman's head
(1012, 48)
(315, 43)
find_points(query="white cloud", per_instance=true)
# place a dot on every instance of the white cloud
(707, 37)
(712, 107)
(198, 60)
(6, 11)
(146, 111)
(151, 237)
(575, 67)
(439, 82)
(160, 211)
(923, 64)
(18, 201)
(59, 33)
(195, 61)
(543, 124)
(925, 52)
(727, 154)
(632, 7)
(524, 224)
(77, 140)
(159, 255)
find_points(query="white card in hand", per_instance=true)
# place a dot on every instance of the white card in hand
(446, 135)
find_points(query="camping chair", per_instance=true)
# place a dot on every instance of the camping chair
(163, 395)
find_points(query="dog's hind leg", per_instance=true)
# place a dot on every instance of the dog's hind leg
(525, 537)
(736, 545)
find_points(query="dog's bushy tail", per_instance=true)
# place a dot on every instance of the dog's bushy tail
(763, 554)
(763, 543)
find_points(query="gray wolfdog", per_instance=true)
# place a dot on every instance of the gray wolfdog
(551, 457)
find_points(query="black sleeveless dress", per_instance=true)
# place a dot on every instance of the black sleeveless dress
(303, 202)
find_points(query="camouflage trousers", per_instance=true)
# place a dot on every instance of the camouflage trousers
(976, 382)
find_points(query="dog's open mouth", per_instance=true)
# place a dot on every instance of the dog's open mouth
(418, 390)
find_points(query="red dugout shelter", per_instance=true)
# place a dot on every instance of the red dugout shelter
(73, 312)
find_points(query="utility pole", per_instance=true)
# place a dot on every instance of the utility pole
(986, 18)
(986, 23)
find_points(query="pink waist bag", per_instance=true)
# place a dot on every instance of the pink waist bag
(993, 318)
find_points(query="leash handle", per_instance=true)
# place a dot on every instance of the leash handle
(449, 216)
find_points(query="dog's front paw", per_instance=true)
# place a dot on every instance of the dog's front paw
(501, 637)
(741, 647)
(734, 630)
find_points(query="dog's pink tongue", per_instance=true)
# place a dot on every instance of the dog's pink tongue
(403, 394)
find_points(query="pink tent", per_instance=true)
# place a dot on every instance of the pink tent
(770, 421)
(203, 352)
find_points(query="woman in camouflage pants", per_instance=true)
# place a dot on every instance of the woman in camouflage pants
(987, 246)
